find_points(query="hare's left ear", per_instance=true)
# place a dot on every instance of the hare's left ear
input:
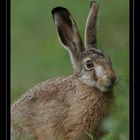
(67, 30)
(68, 33)
(90, 38)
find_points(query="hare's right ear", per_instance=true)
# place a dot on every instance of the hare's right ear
(90, 29)
(67, 32)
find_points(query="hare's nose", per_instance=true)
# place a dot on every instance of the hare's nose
(112, 79)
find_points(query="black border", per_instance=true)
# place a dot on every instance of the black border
(3, 68)
(8, 95)
(135, 72)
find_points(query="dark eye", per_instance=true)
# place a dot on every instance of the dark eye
(89, 65)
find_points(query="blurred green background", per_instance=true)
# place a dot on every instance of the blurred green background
(37, 55)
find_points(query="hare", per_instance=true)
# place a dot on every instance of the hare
(69, 108)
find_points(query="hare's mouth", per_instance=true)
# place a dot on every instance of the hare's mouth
(107, 86)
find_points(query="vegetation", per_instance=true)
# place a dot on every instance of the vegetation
(37, 55)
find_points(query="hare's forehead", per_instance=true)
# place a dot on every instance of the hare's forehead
(92, 54)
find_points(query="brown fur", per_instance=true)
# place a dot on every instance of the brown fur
(65, 112)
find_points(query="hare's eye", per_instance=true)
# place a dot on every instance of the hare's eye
(89, 65)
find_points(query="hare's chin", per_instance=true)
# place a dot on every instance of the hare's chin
(101, 88)
(104, 88)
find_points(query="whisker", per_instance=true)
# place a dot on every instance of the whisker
(117, 84)
(122, 78)
(122, 81)
(124, 75)
(119, 77)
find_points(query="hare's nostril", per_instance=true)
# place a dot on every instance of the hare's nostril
(112, 79)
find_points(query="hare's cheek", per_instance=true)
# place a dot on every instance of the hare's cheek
(87, 78)
(99, 71)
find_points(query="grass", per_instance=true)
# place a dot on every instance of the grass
(37, 54)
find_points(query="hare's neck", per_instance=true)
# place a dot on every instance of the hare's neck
(91, 105)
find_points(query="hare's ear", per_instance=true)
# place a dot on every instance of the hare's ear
(67, 33)
(90, 29)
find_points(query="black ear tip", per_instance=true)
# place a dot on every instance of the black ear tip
(58, 9)
(93, 2)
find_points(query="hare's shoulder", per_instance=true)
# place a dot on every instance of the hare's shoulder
(49, 89)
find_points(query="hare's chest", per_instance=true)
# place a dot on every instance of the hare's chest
(94, 114)
(91, 111)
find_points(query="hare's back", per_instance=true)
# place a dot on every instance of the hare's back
(55, 89)
(46, 102)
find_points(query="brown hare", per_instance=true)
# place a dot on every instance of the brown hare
(69, 108)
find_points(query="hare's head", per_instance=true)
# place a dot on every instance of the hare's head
(90, 65)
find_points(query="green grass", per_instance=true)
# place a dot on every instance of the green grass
(37, 54)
